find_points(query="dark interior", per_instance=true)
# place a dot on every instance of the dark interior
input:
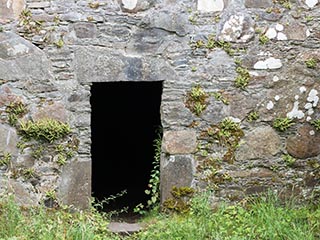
(125, 121)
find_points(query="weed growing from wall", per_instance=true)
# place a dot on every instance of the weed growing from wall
(228, 133)
(289, 160)
(311, 63)
(197, 100)
(44, 129)
(28, 24)
(5, 159)
(243, 78)
(220, 97)
(15, 110)
(316, 124)
(253, 116)
(282, 124)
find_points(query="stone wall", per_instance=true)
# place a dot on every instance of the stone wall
(239, 108)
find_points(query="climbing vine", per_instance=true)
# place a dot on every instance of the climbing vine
(153, 190)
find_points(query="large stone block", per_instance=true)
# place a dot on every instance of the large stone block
(75, 184)
(305, 144)
(96, 64)
(263, 142)
(21, 60)
(179, 142)
(176, 171)
(11, 9)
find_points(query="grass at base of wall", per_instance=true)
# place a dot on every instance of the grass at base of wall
(263, 218)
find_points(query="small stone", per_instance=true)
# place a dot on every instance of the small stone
(279, 27)
(281, 36)
(271, 33)
(270, 105)
(129, 4)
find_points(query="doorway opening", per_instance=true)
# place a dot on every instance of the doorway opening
(125, 121)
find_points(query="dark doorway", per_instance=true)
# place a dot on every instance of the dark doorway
(125, 120)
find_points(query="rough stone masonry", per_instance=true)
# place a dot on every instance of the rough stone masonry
(240, 104)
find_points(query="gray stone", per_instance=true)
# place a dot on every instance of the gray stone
(38, 4)
(94, 64)
(169, 21)
(263, 142)
(146, 40)
(179, 142)
(21, 60)
(75, 184)
(176, 171)
(295, 31)
(23, 193)
(85, 30)
(258, 3)
(8, 139)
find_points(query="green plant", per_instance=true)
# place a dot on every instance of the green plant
(309, 18)
(51, 194)
(15, 110)
(5, 160)
(44, 129)
(263, 39)
(243, 78)
(316, 124)
(284, 3)
(289, 160)
(282, 124)
(59, 43)
(228, 133)
(263, 217)
(28, 173)
(311, 63)
(197, 100)
(253, 116)
(219, 97)
(28, 24)
(212, 43)
(62, 160)
(153, 189)
(37, 151)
